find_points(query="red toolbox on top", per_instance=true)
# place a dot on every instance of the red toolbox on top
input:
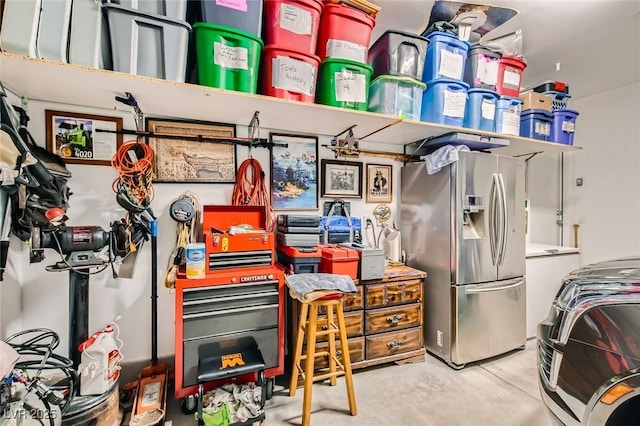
(339, 260)
(228, 245)
(300, 260)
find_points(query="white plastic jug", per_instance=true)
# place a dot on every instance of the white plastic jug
(100, 361)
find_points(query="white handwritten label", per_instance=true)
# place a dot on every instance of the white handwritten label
(488, 109)
(350, 87)
(295, 19)
(489, 69)
(542, 128)
(240, 5)
(568, 126)
(346, 50)
(451, 64)
(454, 103)
(510, 123)
(511, 79)
(230, 57)
(293, 75)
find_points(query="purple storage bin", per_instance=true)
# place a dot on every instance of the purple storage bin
(564, 126)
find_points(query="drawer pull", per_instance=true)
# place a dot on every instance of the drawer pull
(350, 300)
(338, 353)
(325, 327)
(394, 344)
(395, 319)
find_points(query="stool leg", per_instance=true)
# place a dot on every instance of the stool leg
(311, 330)
(346, 359)
(295, 370)
(332, 345)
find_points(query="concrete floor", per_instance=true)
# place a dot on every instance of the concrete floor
(500, 391)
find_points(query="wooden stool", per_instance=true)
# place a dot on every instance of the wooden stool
(309, 326)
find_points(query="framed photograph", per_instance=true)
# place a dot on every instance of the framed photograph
(379, 183)
(73, 137)
(294, 172)
(341, 179)
(192, 161)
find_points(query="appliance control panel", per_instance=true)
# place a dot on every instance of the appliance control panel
(473, 203)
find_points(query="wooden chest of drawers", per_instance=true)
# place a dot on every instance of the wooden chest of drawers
(384, 319)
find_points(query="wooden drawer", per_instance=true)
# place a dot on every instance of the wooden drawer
(354, 322)
(356, 351)
(351, 301)
(387, 319)
(379, 295)
(394, 342)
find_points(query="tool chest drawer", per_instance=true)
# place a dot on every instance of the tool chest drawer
(394, 342)
(379, 295)
(353, 322)
(356, 352)
(386, 319)
(351, 301)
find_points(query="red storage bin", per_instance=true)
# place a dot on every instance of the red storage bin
(339, 260)
(292, 24)
(344, 33)
(289, 75)
(510, 76)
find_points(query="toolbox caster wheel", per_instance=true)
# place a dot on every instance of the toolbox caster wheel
(189, 405)
(269, 388)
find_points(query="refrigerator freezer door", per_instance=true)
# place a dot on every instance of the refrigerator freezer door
(512, 256)
(489, 320)
(474, 183)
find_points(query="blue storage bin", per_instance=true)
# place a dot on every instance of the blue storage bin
(444, 102)
(508, 115)
(446, 57)
(536, 124)
(564, 126)
(480, 112)
(401, 96)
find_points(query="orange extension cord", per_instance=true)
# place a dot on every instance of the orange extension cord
(134, 163)
(250, 189)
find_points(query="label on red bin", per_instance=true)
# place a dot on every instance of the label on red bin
(454, 103)
(511, 79)
(346, 50)
(295, 19)
(350, 87)
(230, 57)
(511, 123)
(488, 109)
(293, 75)
(240, 5)
(451, 64)
(568, 126)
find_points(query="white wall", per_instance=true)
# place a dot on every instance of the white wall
(543, 182)
(43, 299)
(607, 206)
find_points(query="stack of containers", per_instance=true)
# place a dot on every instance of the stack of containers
(481, 74)
(564, 119)
(297, 239)
(228, 44)
(510, 71)
(289, 60)
(397, 59)
(343, 41)
(444, 100)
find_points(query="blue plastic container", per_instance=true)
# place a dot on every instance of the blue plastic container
(444, 102)
(536, 124)
(508, 115)
(480, 112)
(446, 57)
(564, 126)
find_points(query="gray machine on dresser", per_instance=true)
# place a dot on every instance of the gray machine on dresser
(464, 225)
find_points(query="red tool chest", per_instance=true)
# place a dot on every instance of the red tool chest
(299, 260)
(339, 260)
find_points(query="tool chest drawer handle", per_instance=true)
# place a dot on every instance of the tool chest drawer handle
(395, 319)
(230, 298)
(394, 344)
(228, 311)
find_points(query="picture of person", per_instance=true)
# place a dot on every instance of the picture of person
(378, 183)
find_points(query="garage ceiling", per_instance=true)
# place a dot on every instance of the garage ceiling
(596, 42)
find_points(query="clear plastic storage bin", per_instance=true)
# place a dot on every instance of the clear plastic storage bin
(393, 95)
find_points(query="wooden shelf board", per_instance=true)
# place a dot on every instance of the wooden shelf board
(50, 81)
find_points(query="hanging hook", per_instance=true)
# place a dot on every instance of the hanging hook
(138, 116)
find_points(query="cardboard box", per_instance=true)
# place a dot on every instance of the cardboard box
(533, 100)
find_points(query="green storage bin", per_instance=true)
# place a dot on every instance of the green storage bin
(344, 84)
(227, 58)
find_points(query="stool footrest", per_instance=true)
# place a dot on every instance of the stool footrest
(328, 375)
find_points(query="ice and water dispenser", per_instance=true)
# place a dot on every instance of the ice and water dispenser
(473, 217)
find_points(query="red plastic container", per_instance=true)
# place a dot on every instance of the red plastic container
(339, 260)
(289, 75)
(510, 76)
(292, 24)
(344, 33)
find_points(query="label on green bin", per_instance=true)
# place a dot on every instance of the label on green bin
(350, 87)
(293, 75)
(295, 19)
(230, 57)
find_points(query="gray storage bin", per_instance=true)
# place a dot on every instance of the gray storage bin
(149, 45)
(174, 9)
(372, 262)
(89, 35)
(19, 32)
(53, 30)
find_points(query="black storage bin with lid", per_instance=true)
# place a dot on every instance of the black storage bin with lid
(398, 53)
(481, 68)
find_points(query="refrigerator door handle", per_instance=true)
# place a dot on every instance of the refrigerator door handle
(479, 289)
(504, 224)
(493, 219)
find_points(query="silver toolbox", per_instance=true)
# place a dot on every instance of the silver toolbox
(371, 263)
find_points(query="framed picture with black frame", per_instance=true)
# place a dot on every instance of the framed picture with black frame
(341, 179)
(294, 172)
(192, 161)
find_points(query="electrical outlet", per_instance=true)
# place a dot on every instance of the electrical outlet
(439, 337)
(579, 182)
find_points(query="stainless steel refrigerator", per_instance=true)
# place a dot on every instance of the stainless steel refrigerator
(464, 226)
